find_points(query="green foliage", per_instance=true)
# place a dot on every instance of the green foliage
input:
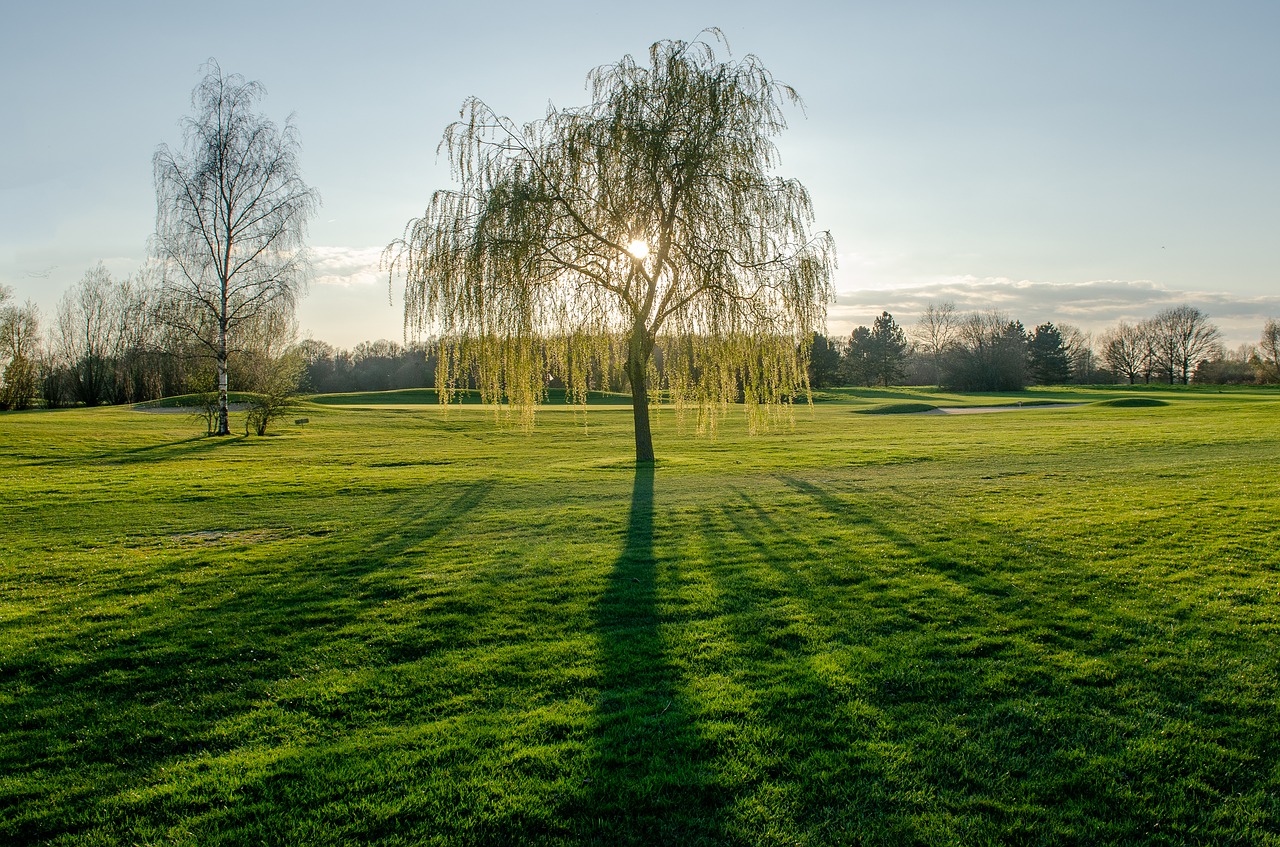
(888, 349)
(824, 362)
(989, 355)
(646, 223)
(878, 354)
(278, 383)
(857, 364)
(1048, 359)
(1054, 626)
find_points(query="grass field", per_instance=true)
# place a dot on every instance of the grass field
(396, 625)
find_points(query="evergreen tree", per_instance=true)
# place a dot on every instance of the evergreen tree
(990, 355)
(857, 365)
(824, 362)
(1049, 360)
(887, 351)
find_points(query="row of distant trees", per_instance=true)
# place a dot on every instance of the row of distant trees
(114, 341)
(988, 351)
(111, 341)
(370, 366)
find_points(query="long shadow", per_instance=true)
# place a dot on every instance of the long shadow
(650, 782)
(129, 697)
(163, 451)
(983, 650)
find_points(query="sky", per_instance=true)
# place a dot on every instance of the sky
(1082, 163)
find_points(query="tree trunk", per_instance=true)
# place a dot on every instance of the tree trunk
(224, 427)
(637, 375)
(640, 411)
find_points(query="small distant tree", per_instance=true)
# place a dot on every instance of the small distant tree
(147, 359)
(1125, 349)
(990, 354)
(935, 331)
(206, 410)
(887, 351)
(1269, 352)
(277, 392)
(232, 211)
(1082, 357)
(645, 224)
(1047, 356)
(88, 333)
(1183, 336)
(19, 349)
(857, 364)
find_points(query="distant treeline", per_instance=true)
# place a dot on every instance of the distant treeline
(988, 351)
(371, 366)
(111, 341)
(117, 341)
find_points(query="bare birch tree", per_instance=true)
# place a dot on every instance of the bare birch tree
(646, 220)
(231, 218)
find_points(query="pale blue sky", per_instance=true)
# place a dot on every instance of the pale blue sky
(1079, 162)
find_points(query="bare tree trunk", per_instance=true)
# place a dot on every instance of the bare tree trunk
(637, 375)
(224, 427)
(640, 411)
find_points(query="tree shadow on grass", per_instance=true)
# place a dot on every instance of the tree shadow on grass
(1021, 686)
(148, 453)
(650, 783)
(139, 683)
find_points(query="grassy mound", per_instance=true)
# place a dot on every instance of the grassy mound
(896, 409)
(191, 401)
(429, 397)
(1131, 402)
(401, 397)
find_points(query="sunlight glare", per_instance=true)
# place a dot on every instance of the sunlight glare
(638, 248)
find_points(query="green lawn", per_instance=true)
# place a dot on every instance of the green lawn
(401, 625)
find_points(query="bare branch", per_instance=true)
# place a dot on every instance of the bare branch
(231, 217)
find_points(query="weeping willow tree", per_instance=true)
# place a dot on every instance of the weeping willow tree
(650, 220)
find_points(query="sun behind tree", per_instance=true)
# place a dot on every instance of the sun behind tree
(648, 220)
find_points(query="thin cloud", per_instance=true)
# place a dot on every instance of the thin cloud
(347, 266)
(1093, 306)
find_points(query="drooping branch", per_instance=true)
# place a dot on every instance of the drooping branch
(536, 241)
